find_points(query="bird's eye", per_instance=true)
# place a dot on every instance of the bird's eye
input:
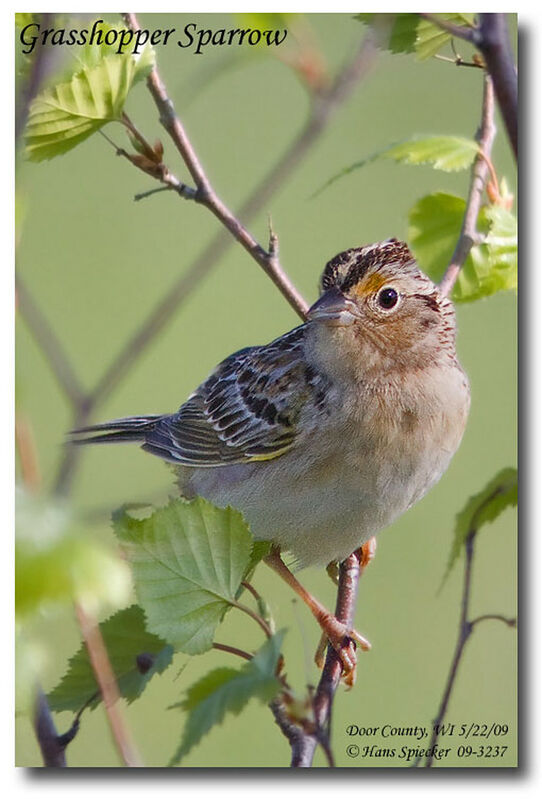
(387, 298)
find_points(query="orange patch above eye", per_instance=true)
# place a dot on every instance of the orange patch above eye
(370, 285)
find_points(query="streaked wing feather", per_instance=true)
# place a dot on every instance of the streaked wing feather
(246, 410)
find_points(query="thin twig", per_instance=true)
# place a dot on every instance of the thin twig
(256, 616)
(465, 631)
(469, 234)
(509, 621)
(28, 453)
(492, 39)
(257, 596)
(206, 195)
(458, 61)
(105, 678)
(466, 628)
(154, 169)
(142, 195)
(323, 108)
(233, 650)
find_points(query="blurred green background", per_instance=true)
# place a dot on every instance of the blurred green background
(97, 263)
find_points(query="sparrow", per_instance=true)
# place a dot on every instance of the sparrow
(328, 434)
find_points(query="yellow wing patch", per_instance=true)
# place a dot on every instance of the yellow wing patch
(269, 456)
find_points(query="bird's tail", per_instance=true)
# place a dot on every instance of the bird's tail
(131, 429)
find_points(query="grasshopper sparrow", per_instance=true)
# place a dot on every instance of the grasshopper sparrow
(326, 435)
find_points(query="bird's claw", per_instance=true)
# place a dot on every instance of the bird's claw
(344, 643)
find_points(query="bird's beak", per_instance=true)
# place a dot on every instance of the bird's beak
(333, 307)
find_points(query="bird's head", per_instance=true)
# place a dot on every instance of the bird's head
(377, 308)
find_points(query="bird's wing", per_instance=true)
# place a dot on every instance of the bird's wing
(246, 410)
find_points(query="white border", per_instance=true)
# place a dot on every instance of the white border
(22, 782)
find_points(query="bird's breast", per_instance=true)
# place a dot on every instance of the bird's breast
(354, 473)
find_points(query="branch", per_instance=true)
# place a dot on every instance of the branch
(492, 39)
(151, 164)
(50, 345)
(206, 195)
(465, 631)
(466, 628)
(469, 234)
(495, 46)
(256, 616)
(347, 594)
(324, 107)
(28, 454)
(459, 31)
(303, 743)
(50, 743)
(232, 650)
(108, 686)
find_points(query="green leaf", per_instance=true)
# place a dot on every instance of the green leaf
(403, 33)
(430, 38)
(434, 227)
(135, 656)
(407, 33)
(259, 550)
(398, 31)
(349, 169)
(500, 493)
(56, 562)
(144, 62)
(448, 153)
(92, 55)
(65, 114)
(502, 244)
(188, 561)
(227, 690)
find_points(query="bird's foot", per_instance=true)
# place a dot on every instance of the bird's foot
(343, 641)
(342, 638)
(366, 553)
